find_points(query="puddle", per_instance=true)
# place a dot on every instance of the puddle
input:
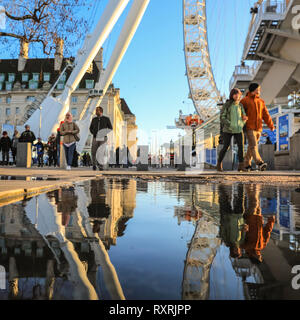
(163, 240)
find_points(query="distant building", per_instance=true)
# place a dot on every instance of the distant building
(24, 83)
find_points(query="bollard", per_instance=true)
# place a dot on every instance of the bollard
(24, 155)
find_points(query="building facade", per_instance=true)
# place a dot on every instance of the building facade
(25, 83)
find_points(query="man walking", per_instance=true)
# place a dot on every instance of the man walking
(99, 128)
(257, 112)
(27, 135)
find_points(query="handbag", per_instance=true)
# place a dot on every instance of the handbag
(76, 136)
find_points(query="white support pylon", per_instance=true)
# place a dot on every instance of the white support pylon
(53, 109)
(131, 24)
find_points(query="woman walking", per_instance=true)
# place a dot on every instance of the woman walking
(15, 141)
(233, 119)
(69, 130)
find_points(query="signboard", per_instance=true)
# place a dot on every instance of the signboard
(268, 205)
(284, 126)
(9, 128)
(274, 111)
(284, 211)
(268, 133)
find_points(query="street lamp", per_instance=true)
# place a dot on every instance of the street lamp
(172, 153)
(40, 124)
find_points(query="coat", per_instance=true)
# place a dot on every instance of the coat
(258, 235)
(257, 112)
(100, 123)
(69, 127)
(27, 136)
(5, 144)
(231, 118)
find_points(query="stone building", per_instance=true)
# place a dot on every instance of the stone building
(24, 83)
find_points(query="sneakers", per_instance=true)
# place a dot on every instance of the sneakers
(68, 167)
(94, 168)
(262, 166)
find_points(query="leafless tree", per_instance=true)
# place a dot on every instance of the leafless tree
(42, 22)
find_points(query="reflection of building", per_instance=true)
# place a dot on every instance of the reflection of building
(28, 254)
(25, 256)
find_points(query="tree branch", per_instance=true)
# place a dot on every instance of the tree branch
(13, 35)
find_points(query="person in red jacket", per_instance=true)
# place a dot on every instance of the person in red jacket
(257, 112)
(258, 234)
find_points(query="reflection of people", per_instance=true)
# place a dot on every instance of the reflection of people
(257, 112)
(258, 235)
(233, 226)
(98, 207)
(67, 204)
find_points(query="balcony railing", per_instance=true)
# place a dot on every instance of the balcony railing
(246, 73)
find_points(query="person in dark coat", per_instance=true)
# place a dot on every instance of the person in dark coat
(99, 128)
(27, 136)
(5, 146)
(15, 141)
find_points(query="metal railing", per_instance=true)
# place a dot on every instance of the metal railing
(248, 71)
(269, 10)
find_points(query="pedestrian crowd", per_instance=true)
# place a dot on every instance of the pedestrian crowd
(67, 136)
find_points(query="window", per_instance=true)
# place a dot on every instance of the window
(11, 77)
(8, 86)
(74, 112)
(36, 76)
(89, 84)
(17, 110)
(25, 77)
(63, 78)
(1, 85)
(2, 77)
(74, 99)
(46, 76)
(7, 112)
(60, 86)
(8, 100)
(33, 84)
(30, 98)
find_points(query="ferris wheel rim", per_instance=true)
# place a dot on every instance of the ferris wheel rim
(205, 101)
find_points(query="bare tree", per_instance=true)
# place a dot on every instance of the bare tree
(43, 22)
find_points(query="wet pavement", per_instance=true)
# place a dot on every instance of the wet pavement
(123, 238)
(29, 178)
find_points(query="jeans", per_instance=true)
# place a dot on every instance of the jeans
(252, 152)
(95, 145)
(5, 156)
(69, 153)
(227, 140)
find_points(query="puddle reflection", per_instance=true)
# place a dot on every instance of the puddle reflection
(111, 239)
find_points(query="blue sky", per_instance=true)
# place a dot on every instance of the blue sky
(152, 74)
(152, 77)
